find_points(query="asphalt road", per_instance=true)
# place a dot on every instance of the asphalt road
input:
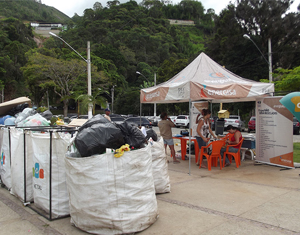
(296, 138)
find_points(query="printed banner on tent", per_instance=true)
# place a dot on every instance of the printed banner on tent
(196, 109)
(274, 132)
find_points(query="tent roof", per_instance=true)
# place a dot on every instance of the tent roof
(204, 79)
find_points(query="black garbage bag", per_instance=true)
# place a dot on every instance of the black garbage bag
(94, 120)
(96, 138)
(151, 133)
(47, 114)
(17, 109)
(132, 134)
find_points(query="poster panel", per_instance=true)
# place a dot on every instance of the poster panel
(196, 109)
(274, 132)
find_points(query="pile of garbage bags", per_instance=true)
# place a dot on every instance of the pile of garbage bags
(98, 134)
(23, 116)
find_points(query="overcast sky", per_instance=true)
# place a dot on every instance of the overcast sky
(70, 7)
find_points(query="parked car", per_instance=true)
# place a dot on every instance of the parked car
(235, 121)
(139, 121)
(114, 115)
(251, 124)
(155, 120)
(117, 119)
(295, 126)
(83, 117)
(173, 119)
(182, 120)
(151, 119)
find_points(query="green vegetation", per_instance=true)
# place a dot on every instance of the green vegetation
(131, 37)
(296, 152)
(30, 10)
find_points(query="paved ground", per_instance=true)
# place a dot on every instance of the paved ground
(253, 199)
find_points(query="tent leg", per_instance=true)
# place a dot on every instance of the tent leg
(140, 114)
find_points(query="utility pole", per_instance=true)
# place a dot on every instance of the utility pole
(154, 103)
(270, 60)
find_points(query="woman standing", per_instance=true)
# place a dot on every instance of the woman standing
(203, 130)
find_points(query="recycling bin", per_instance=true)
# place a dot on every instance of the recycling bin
(219, 128)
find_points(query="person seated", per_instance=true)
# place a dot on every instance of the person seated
(234, 139)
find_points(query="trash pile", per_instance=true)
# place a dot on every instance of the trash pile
(122, 169)
(99, 134)
(104, 174)
(23, 116)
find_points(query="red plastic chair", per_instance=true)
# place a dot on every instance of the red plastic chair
(228, 136)
(215, 154)
(236, 156)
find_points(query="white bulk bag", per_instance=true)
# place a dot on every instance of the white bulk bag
(17, 163)
(1, 142)
(110, 195)
(1, 136)
(5, 171)
(41, 167)
(160, 167)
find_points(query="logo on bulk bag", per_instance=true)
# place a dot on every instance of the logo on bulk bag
(37, 172)
(2, 159)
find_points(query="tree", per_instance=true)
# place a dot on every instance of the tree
(97, 6)
(265, 20)
(127, 101)
(112, 3)
(261, 20)
(288, 79)
(85, 100)
(65, 77)
(170, 68)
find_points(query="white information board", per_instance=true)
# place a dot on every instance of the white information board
(196, 109)
(274, 132)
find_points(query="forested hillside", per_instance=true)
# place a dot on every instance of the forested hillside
(30, 10)
(130, 37)
(126, 38)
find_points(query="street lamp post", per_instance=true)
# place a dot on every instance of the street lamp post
(154, 103)
(269, 53)
(112, 98)
(142, 75)
(88, 61)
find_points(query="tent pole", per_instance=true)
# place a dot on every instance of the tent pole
(140, 114)
(190, 130)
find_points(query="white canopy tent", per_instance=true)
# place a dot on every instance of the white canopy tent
(204, 79)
